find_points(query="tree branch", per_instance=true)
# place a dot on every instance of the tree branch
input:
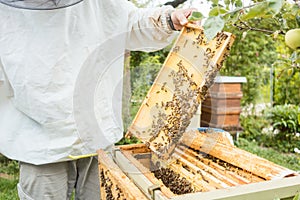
(175, 3)
(245, 26)
(240, 9)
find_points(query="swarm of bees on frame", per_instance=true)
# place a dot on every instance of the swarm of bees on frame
(186, 99)
(174, 181)
(174, 116)
(112, 190)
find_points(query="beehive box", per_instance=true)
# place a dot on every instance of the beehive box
(206, 166)
(175, 164)
(222, 107)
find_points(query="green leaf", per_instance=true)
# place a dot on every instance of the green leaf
(290, 72)
(288, 16)
(277, 124)
(195, 16)
(227, 2)
(217, 11)
(216, 2)
(239, 3)
(264, 9)
(284, 123)
(294, 56)
(298, 20)
(275, 6)
(292, 123)
(297, 197)
(212, 26)
(299, 118)
(259, 10)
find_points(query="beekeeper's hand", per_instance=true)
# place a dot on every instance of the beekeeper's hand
(180, 17)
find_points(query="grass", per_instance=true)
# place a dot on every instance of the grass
(8, 179)
(8, 189)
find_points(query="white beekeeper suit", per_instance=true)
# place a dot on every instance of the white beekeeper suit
(63, 68)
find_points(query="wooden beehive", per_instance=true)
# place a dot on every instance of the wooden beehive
(172, 163)
(222, 107)
(205, 164)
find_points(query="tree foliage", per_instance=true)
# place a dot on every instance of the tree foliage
(144, 69)
(251, 56)
(259, 47)
(287, 63)
(277, 127)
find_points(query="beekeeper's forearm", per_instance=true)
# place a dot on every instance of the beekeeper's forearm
(148, 29)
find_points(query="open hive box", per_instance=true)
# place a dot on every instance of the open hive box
(206, 166)
(173, 163)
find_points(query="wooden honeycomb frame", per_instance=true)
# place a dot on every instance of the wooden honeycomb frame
(114, 184)
(179, 88)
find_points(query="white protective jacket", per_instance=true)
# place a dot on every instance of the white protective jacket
(63, 70)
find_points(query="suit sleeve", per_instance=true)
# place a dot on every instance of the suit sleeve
(148, 29)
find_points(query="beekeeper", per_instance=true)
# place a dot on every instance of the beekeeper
(62, 68)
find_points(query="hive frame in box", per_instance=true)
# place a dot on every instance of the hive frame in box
(114, 183)
(267, 190)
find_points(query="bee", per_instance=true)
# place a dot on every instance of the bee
(185, 43)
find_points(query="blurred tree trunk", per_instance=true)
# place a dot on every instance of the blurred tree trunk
(126, 92)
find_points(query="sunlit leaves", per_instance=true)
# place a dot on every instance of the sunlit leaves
(260, 10)
(264, 9)
(295, 58)
(212, 26)
(217, 11)
(238, 3)
(235, 3)
(297, 196)
(195, 16)
(290, 71)
(275, 6)
(215, 2)
(219, 16)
